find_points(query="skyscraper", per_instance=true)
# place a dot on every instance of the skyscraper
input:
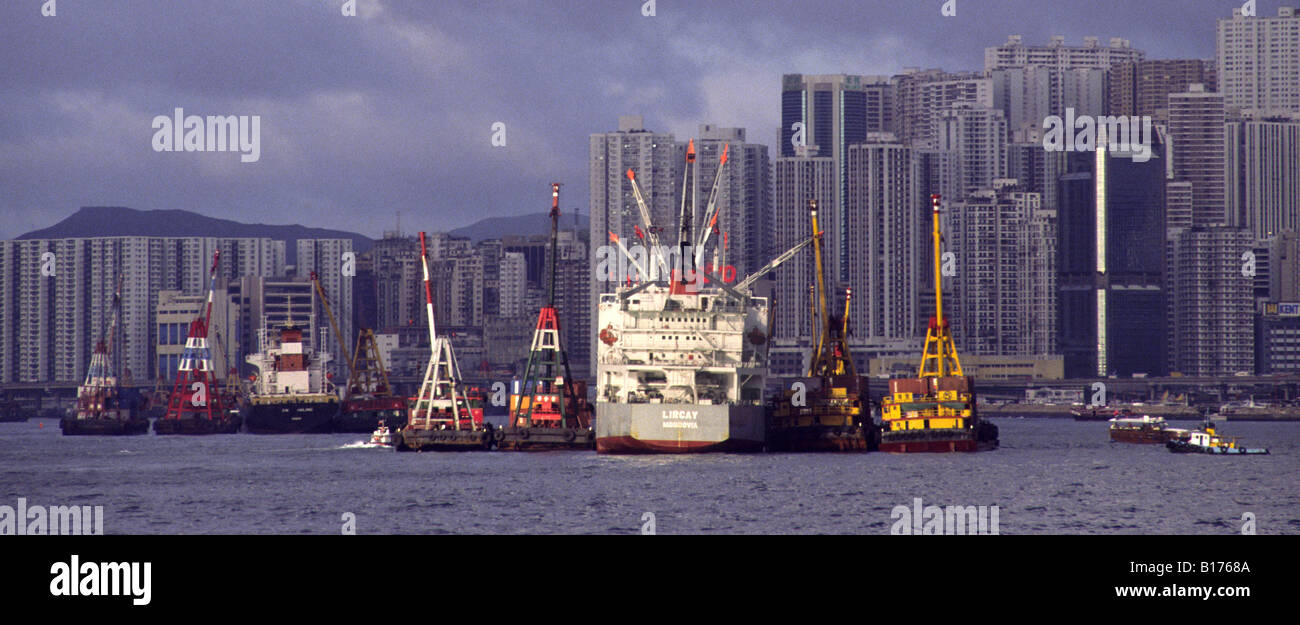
(1111, 218)
(978, 135)
(1263, 173)
(1143, 87)
(921, 96)
(797, 180)
(1196, 128)
(1215, 309)
(1004, 290)
(1259, 60)
(882, 239)
(832, 110)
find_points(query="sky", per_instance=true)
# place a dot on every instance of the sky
(393, 110)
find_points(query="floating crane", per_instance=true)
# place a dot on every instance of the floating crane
(196, 405)
(935, 411)
(550, 409)
(827, 413)
(101, 407)
(368, 402)
(443, 417)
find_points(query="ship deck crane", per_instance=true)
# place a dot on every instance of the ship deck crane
(338, 335)
(831, 355)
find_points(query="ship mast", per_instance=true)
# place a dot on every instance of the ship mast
(940, 356)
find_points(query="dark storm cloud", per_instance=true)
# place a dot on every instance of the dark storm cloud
(392, 110)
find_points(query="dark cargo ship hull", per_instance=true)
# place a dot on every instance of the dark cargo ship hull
(73, 426)
(197, 426)
(823, 438)
(291, 417)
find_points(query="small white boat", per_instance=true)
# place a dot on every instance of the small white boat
(382, 436)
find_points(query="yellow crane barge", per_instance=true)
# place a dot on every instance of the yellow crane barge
(935, 411)
(829, 409)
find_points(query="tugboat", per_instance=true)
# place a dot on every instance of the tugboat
(103, 407)
(936, 411)
(382, 436)
(1206, 441)
(681, 364)
(368, 401)
(291, 393)
(827, 413)
(444, 416)
(545, 411)
(196, 404)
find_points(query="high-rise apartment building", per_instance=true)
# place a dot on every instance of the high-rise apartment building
(1196, 134)
(1263, 173)
(1143, 87)
(795, 181)
(882, 239)
(1004, 291)
(1258, 60)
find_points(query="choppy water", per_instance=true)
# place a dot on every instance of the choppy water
(1050, 476)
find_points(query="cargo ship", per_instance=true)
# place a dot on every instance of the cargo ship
(445, 416)
(831, 411)
(103, 407)
(548, 408)
(681, 364)
(935, 411)
(291, 393)
(197, 404)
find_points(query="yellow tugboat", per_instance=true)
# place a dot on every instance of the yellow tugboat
(827, 413)
(935, 411)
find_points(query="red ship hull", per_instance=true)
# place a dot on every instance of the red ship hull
(630, 445)
(934, 446)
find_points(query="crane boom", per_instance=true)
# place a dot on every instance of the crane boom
(711, 210)
(325, 303)
(775, 262)
(622, 248)
(652, 236)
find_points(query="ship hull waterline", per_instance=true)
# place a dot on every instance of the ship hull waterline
(421, 439)
(937, 441)
(512, 438)
(679, 428)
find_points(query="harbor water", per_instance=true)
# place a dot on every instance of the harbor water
(1050, 476)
